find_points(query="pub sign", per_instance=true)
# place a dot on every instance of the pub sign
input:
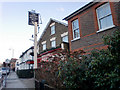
(33, 17)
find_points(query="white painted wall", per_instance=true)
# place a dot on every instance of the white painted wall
(24, 58)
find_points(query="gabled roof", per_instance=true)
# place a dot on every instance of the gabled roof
(82, 9)
(49, 24)
(26, 51)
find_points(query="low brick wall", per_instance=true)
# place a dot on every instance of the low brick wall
(48, 79)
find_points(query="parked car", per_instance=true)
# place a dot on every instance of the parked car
(4, 70)
(0, 75)
(0, 70)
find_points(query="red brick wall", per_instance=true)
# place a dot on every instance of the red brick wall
(88, 26)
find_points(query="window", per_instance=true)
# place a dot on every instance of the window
(104, 16)
(75, 27)
(52, 29)
(65, 38)
(44, 46)
(53, 43)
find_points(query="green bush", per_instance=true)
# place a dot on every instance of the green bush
(72, 71)
(100, 70)
(104, 66)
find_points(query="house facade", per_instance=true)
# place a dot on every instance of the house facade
(26, 59)
(89, 24)
(12, 63)
(53, 38)
(17, 64)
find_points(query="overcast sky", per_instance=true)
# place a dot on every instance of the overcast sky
(14, 29)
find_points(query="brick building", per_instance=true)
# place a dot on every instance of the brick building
(90, 23)
(52, 39)
(12, 63)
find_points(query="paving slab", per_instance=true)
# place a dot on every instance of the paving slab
(15, 83)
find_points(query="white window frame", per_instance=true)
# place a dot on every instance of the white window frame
(53, 46)
(44, 43)
(110, 14)
(66, 36)
(51, 28)
(44, 46)
(73, 29)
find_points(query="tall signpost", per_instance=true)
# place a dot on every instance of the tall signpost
(35, 45)
(34, 20)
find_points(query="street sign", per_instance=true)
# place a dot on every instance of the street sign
(33, 17)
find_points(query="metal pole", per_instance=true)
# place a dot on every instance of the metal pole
(35, 46)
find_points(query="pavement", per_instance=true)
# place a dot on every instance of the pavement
(15, 83)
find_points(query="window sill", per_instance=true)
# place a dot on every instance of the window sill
(100, 30)
(52, 34)
(75, 39)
